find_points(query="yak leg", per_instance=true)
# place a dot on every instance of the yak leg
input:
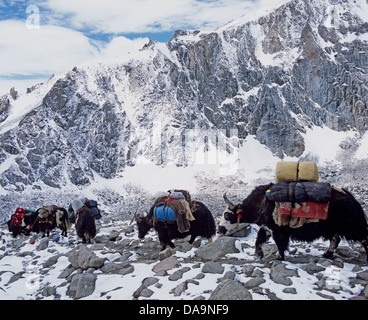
(192, 238)
(165, 239)
(164, 244)
(365, 245)
(281, 237)
(334, 242)
(63, 229)
(262, 237)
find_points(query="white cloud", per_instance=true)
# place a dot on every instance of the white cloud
(126, 16)
(46, 50)
(119, 46)
(49, 50)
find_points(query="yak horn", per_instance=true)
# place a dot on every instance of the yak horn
(228, 202)
(134, 217)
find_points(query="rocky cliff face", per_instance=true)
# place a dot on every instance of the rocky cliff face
(302, 65)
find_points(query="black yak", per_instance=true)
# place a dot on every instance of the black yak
(16, 223)
(346, 219)
(31, 224)
(85, 224)
(203, 225)
(50, 217)
(23, 221)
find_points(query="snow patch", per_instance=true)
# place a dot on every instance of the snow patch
(324, 143)
(362, 152)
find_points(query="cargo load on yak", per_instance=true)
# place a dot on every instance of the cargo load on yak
(298, 195)
(174, 206)
(287, 171)
(295, 191)
(18, 215)
(75, 205)
(92, 204)
(73, 208)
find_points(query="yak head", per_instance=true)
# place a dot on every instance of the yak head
(251, 210)
(228, 217)
(144, 224)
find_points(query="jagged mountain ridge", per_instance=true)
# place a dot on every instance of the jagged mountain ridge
(301, 65)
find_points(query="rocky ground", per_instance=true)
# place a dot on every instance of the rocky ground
(117, 265)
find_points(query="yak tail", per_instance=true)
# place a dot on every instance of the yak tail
(58, 215)
(87, 237)
(208, 225)
(68, 225)
(61, 214)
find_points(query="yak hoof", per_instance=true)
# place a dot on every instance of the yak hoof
(281, 257)
(328, 255)
(259, 253)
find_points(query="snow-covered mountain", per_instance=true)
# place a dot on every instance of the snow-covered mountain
(289, 83)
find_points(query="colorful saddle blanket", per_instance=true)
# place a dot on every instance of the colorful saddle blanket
(164, 214)
(309, 210)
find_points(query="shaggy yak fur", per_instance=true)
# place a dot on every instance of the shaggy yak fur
(50, 217)
(16, 229)
(85, 224)
(203, 225)
(19, 228)
(43, 220)
(346, 219)
(31, 222)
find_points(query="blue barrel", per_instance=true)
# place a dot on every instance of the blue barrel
(166, 214)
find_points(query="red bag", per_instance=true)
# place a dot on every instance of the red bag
(18, 215)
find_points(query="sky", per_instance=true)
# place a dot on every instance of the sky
(46, 37)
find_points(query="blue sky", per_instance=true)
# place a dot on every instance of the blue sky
(41, 38)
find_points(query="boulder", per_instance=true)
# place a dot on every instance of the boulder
(230, 290)
(166, 264)
(255, 282)
(85, 258)
(179, 289)
(213, 267)
(44, 243)
(217, 249)
(280, 274)
(82, 285)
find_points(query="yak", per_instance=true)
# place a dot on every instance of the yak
(346, 219)
(85, 224)
(16, 223)
(50, 217)
(203, 225)
(62, 221)
(30, 222)
(42, 220)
